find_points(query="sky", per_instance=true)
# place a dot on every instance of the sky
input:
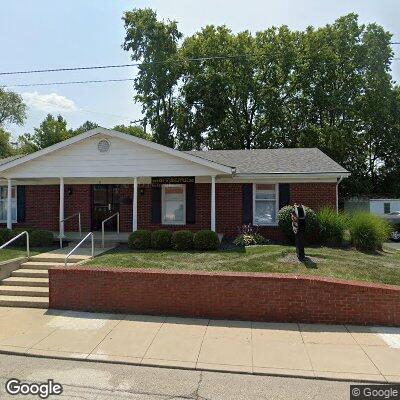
(42, 34)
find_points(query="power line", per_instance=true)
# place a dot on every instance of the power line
(35, 71)
(70, 82)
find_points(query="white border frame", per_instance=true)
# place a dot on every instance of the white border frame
(14, 221)
(276, 202)
(166, 223)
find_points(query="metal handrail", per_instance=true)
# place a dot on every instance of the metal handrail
(28, 253)
(89, 234)
(102, 226)
(79, 224)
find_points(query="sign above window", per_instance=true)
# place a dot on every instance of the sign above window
(172, 180)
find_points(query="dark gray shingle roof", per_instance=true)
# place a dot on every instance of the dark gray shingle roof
(265, 161)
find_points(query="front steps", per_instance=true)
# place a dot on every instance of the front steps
(28, 286)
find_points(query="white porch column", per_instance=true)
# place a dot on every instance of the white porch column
(61, 207)
(9, 204)
(134, 204)
(213, 228)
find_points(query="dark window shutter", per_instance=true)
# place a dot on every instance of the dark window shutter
(284, 195)
(20, 203)
(156, 204)
(190, 203)
(248, 203)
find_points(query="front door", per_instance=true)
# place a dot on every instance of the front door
(105, 203)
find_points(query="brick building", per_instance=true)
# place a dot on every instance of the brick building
(102, 173)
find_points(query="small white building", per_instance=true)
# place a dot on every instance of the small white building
(375, 206)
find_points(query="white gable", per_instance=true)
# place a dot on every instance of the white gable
(125, 158)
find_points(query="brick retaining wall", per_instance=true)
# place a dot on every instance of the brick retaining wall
(244, 296)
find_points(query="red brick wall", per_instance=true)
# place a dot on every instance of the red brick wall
(256, 297)
(313, 195)
(203, 212)
(80, 200)
(42, 204)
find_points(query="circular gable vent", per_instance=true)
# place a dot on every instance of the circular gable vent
(103, 146)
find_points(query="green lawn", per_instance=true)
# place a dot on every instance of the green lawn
(339, 263)
(8, 254)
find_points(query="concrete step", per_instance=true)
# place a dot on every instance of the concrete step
(56, 258)
(30, 273)
(24, 281)
(42, 265)
(24, 291)
(24, 301)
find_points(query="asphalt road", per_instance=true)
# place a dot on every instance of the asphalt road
(93, 380)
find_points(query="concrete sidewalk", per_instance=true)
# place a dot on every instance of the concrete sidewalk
(323, 351)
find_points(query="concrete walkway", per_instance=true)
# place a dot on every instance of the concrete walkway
(323, 351)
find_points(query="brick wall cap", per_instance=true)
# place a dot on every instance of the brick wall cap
(215, 274)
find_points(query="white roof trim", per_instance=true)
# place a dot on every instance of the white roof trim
(103, 131)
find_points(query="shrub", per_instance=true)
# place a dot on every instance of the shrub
(5, 235)
(285, 222)
(22, 240)
(206, 240)
(161, 239)
(368, 231)
(332, 226)
(182, 240)
(140, 240)
(248, 235)
(40, 238)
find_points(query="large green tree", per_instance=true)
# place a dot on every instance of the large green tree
(328, 87)
(133, 130)
(51, 131)
(155, 44)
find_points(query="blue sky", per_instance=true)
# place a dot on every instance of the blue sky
(38, 34)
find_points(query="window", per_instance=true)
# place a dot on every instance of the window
(3, 203)
(265, 204)
(386, 208)
(173, 205)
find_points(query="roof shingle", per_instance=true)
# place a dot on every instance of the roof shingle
(266, 161)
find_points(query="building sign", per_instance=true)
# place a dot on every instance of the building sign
(165, 180)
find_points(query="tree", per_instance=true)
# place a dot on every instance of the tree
(12, 108)
(51, 131)
(6, 148)
(155, 44)
(86, 126)
(133, 130)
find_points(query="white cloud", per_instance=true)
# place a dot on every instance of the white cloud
(52, 102)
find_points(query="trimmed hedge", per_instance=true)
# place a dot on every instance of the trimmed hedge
(368, 232)
(140, 240)
(37, 237)
(40, 238)
(206, 240)
(285, 222)
(161, 239)
(332, 226)
(5, 235)
(182, 240)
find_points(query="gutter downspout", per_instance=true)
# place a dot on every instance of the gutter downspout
(337, 193)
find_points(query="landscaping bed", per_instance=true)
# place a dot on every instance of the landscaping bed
(342, 263)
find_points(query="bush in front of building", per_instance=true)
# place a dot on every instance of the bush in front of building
(140, 240)
(41, 238)
(5, 235)
(285, 222)
(206, 240)
(332, 226)
(182, 240)
(161, 239)
(368, 232)
(249, 236)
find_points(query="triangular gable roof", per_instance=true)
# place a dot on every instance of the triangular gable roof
(99, 130)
